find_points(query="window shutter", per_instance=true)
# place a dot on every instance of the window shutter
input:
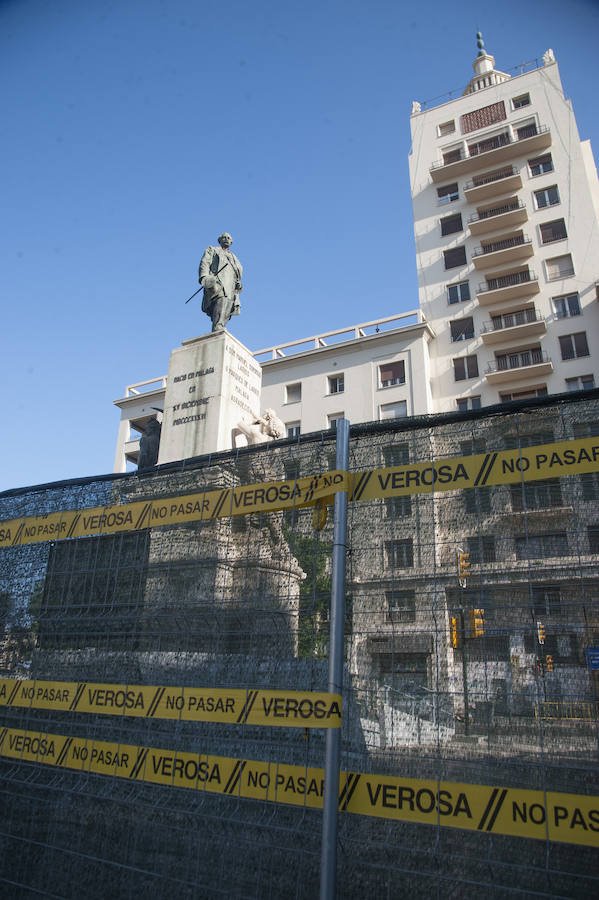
(481, 118)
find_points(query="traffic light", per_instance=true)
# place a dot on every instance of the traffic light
(454, 632)
(541, 632)
(549, 662)
(463, 567)
(477, 622)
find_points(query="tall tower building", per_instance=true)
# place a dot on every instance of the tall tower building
(506, 219)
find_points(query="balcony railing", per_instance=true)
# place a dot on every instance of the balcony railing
(487, 146)
(528, 131)
(500, 140)
(511, 320)
(496, 211)
(503, 281)
(481, 180)
(517, 241)
(518, 360)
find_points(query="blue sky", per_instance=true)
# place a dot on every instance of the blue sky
(136, 131)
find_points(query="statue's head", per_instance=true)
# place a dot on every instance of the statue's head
(275, 427)
(225, 240)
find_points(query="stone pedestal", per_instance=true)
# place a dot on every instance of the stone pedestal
(213, 382)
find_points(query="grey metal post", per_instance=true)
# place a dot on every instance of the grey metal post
(328, 858)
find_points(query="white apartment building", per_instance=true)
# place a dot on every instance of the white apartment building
(506, 219)
(506, 200)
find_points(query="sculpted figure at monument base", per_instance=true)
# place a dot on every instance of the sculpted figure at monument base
(149, 445)
(267, 427)
(220, 276)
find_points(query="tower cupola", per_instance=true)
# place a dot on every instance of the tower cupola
(485, 73)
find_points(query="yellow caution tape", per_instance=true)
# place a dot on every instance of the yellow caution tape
(567, 818)
(457, 473)
(204, 506)
(291, 709)
(493, 468)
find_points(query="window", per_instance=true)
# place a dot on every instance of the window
(458, 293)
(401, 606)
(336, 384)
(469, 403)
(493, 143)
(568, 305)
(293, 393)
(393, 410)
(522, 100)
(455, 257)
(396, 455)
(292, 469)
(90, 583)
(559, 267)
(526, 131)
(448, 193)
(553, 231)
(482, 118)
(462, 329)
(451, 156)
(536, 495)
(446, 128)
(547, 197)
(546, 599)
(392, 373)
(540, 165)
(589, 483)
(586, 429)
(475, 599)
(404, 672)
(524, 395)
(465, 367)
(400, 554)
(473, 446)
(511, 319)
(574, 345)
(581, 383)
(451, 224)
(333, 419)
(532, 439)
(593, 533)
(481, 549)
(519, 359)
(542, 546)
(398, 507)
(477, 500)
(293, 429)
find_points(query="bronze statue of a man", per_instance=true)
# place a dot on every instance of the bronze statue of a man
(220, 276)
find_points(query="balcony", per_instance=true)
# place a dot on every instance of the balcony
(490, 152)
(493, 184)
(517, 365)
(524, 323)
(131, 449)
(503, 288)
(512, 212)
(507, 250)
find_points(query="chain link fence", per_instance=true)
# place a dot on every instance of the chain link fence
(471, 677)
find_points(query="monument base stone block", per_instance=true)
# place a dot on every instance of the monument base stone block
(213, 382)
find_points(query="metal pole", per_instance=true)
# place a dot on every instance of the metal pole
(465, 676)
(328, 859)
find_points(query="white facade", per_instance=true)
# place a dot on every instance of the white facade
(371, 371)
(367, 378)
(506, 219)
(506, 201)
